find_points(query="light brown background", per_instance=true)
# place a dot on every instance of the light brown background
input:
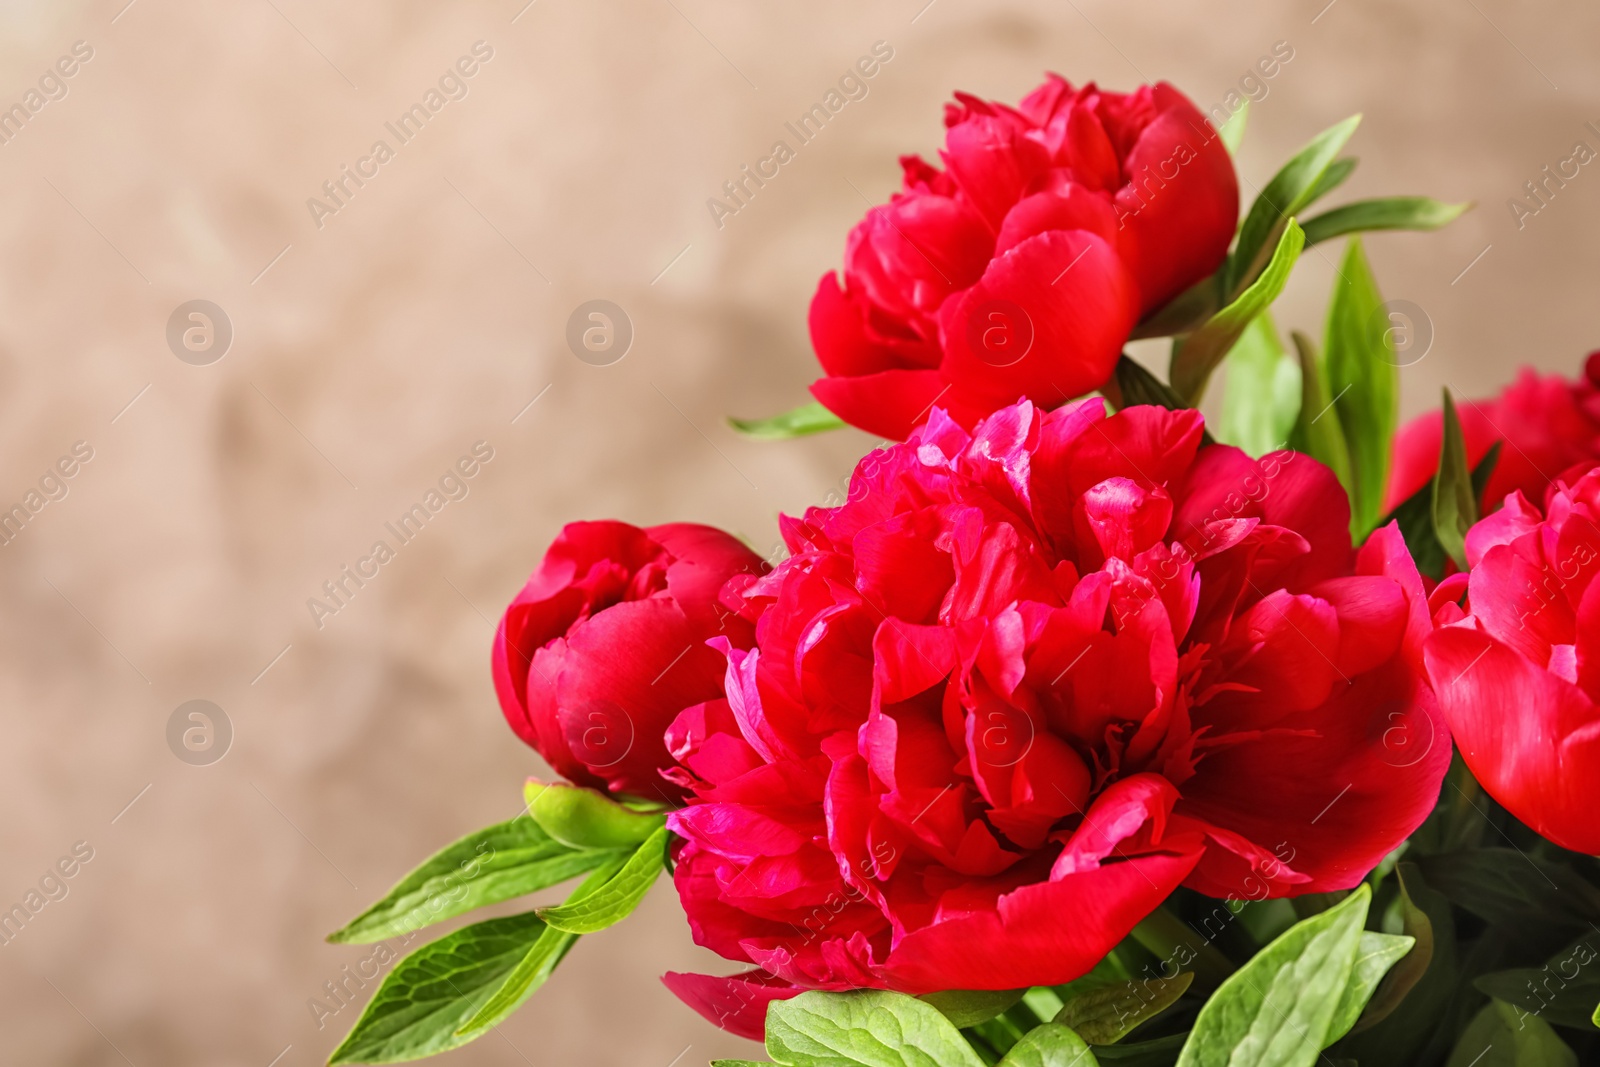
(425, 315)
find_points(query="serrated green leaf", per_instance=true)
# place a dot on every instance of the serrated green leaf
(805, 419)
(1232, 131)
(1105, 1014)
(1278, 1008)
(1364, 376)
(1502, 1036)
(1286, 195)
(863, 1028)
(536, 965)
(1455, 507)
(1375, 954)
(416, 1010)
(1201, 352)
(1262, 399)
(1050, 1045)
(740, 1063)
(587, 818)
(1317, 431)
(497, 863)
(1386, 213)
(615, 900)
(968, 1007)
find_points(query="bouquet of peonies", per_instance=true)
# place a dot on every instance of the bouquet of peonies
(1080, 731)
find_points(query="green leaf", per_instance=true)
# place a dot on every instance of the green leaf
(1318, 432)
(615, 900)
(1455, 507)
(1185, 312)
(1262, 399)
(863, 1028)
(1415, 516)
(587, 818)
(1430, 995)
(1331, 179)
(1364, 375)
(1503, 1036)
(1286, 195)
(498, 863)
(1375, 954)
(740, 1063)
(1204, 349)
(1279, 1007)
(1563, 992)
(1107, 1013)
(1157, 1052)
(536, 965)
(1232, 131)
(1050, 1045)
(968, 1007)
(1387, 213)
(416, 1010)
(805, 419)
(1405, 975)
(1507, 886)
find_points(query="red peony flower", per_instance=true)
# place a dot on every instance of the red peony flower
(1518, 674)
(606, 644)
(1547, 424)
(1020, 269)
(1026, 682)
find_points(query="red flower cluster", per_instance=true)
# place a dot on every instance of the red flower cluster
(607, 644)
(1518, 673)
(1026, 682)
(1020, 269)
(1548, 425)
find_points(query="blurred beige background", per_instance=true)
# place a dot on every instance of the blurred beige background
(425, 315)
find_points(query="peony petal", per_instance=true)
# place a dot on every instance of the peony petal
(1529, 737)
(737, 1003)
(890, 403)
(1046, 933)
(1047, 322)
(1347, 781)
(627, 673)
(1181, 203)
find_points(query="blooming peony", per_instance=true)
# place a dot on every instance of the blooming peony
(1021, 268)
(606, 645)
(1518, 674)
(1026, 682)
(1548, 425)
